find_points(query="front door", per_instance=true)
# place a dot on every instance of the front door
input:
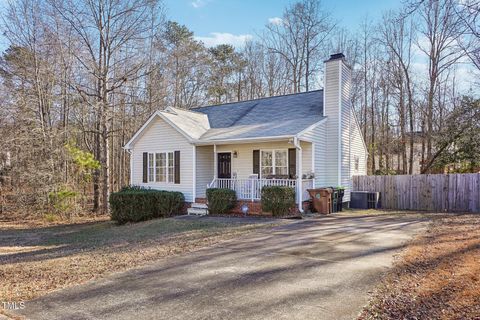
(225, 165)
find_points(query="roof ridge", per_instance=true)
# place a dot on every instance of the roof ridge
(256, 99)
(188, 110)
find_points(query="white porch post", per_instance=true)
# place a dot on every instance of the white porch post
(215, 159)
(194, 173)
(299, 170)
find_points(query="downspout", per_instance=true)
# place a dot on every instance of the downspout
(129, 151)
(194, 173)
(296, 143)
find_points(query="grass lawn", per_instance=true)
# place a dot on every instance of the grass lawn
(436, 277)
(35, 259)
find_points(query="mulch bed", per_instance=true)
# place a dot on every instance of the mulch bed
(436, 277)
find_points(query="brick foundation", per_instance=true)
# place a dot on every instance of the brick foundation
(201, 200)
(254, 207)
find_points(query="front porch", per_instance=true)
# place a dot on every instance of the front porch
(248, 167)
(251, 189)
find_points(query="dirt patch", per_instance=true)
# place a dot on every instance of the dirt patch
(436, 277)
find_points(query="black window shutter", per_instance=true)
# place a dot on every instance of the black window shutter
(256, 162)
(292, 163)
(176, 158)
(145, 167)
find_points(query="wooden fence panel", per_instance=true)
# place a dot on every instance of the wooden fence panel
(427, 192)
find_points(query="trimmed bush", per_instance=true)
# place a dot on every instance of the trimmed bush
(138, 204)
(220, 200)
(169, 202)
(278, 200)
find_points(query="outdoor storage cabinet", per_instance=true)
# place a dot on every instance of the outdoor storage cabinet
(322, 199)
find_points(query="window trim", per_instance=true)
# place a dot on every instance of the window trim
(273, 160)
(167, 180)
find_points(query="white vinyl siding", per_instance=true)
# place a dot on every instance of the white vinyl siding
(318, 137)
(338, 141)
(346, 155)
(159, 137)
(358, 149)
(205, 169)
(332, 112)
(242, 165)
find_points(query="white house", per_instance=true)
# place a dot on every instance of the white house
(303, 140)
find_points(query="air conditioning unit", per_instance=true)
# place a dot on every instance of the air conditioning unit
(364, 200)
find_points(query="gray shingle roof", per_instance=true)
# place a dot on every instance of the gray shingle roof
(266, 117)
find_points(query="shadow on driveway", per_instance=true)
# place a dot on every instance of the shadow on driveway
(308, 269)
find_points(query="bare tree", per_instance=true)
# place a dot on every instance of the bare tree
(112, 33)
(299, 38)
(441, 30)
(397, 37)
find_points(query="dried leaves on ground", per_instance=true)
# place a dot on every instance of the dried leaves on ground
(35, 260)
(436, 277)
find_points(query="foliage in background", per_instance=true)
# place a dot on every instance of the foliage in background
(60, 96)
(83, 160)
(220, 200)
(278, 200)
(62, 201)
(459, 139)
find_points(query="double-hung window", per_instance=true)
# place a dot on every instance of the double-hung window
(274, 162)
(161, 167)
(151, 167)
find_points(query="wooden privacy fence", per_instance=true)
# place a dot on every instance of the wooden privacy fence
(430, 192)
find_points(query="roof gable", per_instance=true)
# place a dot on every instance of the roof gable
(278, 108)
(267, 117)
(273, 117)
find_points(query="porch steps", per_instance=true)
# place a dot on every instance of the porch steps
(198, 209)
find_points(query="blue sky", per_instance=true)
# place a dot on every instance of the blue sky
(235, 20)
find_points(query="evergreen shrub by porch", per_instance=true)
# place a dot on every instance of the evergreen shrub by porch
(221, 200)
(138, 204)
(278, 200)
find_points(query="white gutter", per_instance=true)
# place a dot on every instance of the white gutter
(131, 164)
(243, 140)
(296, 143)
(194, 172)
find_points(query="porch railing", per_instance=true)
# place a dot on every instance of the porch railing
(252, 188)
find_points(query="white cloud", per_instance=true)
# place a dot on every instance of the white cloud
(199, 3)
(217, 38)
(275, 20)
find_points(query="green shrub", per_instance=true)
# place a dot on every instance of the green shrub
(278, 200)
(133, 188)
(220, 200)
(62, 201)
(169, 202)
(138, 204)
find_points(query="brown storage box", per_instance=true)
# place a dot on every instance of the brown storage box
(322, 199)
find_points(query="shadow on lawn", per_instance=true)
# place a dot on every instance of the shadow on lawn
(43, 243)
(298, 250)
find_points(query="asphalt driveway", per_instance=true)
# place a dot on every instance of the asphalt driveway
(308, 269)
